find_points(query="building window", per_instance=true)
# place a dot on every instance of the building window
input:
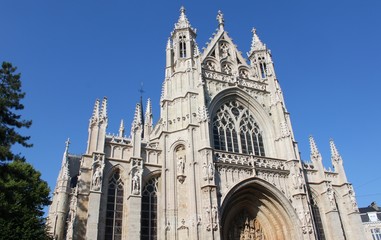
(183, 51)
(376, 233)
(114, 210)
(149, 210)
(262, 66)
(317, 219)
(235, 130)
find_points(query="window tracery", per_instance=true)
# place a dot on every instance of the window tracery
(235, 130)
(149, 210)
(114, 209)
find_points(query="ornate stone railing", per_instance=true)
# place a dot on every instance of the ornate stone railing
(249, 160)
(245, 82)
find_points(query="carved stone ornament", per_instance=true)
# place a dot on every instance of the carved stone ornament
(98, 166)
(331, 196)
(305, 219)
(136, 176)
(180, 162)
(212, 216)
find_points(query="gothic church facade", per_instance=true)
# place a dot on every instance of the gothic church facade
(221, 162)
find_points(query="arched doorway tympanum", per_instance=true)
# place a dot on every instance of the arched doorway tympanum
(256, 210)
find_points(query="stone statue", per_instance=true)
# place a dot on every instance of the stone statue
(181, 165)
(211, 171)
(136, 183)
(97, 177)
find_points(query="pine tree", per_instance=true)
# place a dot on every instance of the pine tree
(10, 120)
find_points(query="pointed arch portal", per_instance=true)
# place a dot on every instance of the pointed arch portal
(256, 210)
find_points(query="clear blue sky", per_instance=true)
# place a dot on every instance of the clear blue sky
(326, 54)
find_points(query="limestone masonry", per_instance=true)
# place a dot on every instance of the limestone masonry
(220, 163)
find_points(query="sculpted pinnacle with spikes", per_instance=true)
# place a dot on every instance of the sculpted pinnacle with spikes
(335, 156)
(315, 154)
(137, 118)
(95, 116)
(103, 113)
(256, 43)
(183, 21)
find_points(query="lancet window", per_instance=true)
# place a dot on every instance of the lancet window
(149, 210)
(318, 221)
(235, 130)
(183, 48)
(114, 209)
(262, 66)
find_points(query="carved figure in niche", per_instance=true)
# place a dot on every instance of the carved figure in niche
(181, 165)
(214, 217)
(331, 196)
(243, 73)
(226, 68)
(224, 50)
(97, 178)
(136, 183)
(210, 65)
(211, 170)
(352, 197)
(205, 171)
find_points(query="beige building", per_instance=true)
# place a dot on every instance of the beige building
(371, 219)
(220, 163)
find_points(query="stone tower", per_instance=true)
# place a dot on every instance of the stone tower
(221, 162)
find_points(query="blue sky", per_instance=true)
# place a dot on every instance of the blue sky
(326, 54)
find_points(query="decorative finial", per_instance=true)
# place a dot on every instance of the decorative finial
(182, 10)
(220, 19)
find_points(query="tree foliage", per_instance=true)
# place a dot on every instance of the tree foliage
(10, 120)
(22, 197)
(23, 194)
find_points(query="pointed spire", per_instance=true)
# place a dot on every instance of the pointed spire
(137, 117)
(315, 154)
(183, 21)
(335, 155)
(220, 19)
(95, 116)
(121, 128)
(103, 113)
(256, 43)
(64, 173)
(148, 113)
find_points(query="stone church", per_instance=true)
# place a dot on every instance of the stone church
(221, 162)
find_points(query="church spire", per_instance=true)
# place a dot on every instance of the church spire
(183, 21)
(256, 43)
(64, 173)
